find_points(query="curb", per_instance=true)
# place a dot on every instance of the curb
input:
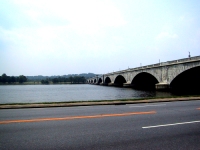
(115, 102)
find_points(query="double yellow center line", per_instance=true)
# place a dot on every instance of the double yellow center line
(77, 117)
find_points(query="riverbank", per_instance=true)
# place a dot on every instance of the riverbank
(93, 103)
(24, 83)
(38, 83)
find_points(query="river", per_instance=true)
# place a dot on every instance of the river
(70, 92)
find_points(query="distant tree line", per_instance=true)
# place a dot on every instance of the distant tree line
(11, 79)
(71, 79)
(40, 77)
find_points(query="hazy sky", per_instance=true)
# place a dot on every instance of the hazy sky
(44, 37)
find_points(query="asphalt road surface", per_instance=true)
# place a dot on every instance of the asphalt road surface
(156, 126)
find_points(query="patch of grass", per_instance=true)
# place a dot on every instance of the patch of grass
(92, 101)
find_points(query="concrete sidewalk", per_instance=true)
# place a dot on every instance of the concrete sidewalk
(111, 102)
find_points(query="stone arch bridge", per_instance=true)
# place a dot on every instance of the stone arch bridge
(171, 74)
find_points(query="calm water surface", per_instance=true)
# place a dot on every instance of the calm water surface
(61, 93)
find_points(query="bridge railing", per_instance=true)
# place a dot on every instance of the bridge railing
(185, 59)
(156, 65)
(168, 63)
(189, 59)
(196, 58)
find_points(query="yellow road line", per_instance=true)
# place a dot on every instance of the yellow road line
(77, 117)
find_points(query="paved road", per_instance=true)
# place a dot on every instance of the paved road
(172, 125)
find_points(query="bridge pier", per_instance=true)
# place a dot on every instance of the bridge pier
(162, 86)
(111, 84)
(103, 84)
(128, 84)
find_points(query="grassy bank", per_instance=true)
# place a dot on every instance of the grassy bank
(111, 101)
(37, 83)
(25, 83)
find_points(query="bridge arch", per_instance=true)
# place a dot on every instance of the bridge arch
(107, 80)
(100, 80)
(145, 81)
(95, 80)
(119, 80)
(187, 82)
(177, 70)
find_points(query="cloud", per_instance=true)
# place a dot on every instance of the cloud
(195, 40)
(62, 28)
(187, 18)
(89, 34)
(164, 35)
(84, 17)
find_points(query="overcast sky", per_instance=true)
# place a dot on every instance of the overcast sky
(44, 37)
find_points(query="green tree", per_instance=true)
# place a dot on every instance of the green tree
(71, 79)
(82, 79)
(22, 79)
(45, 81)
(4, 78)
(8, 79)
(13, 79)
(55, 80)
